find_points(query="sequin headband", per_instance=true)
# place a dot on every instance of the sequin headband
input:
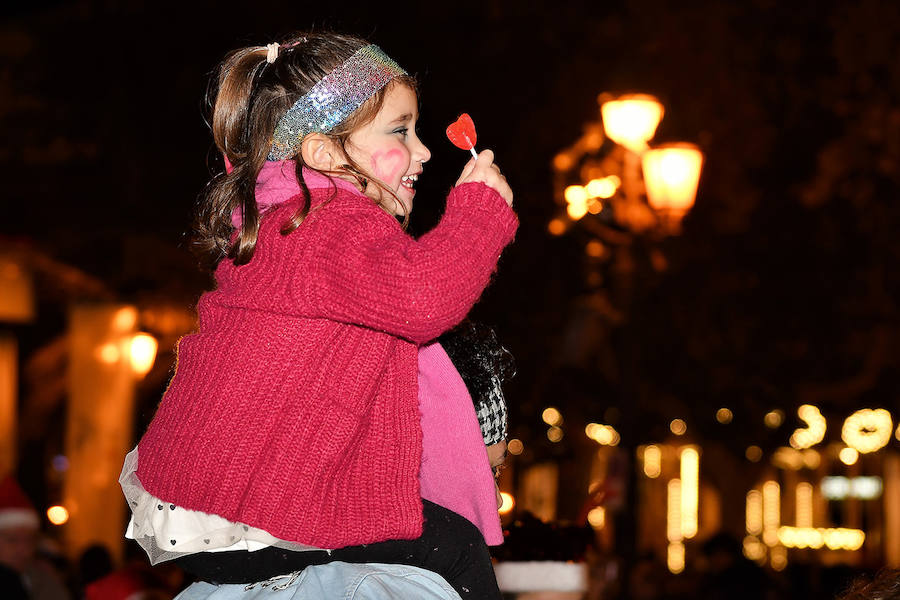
(334, 98)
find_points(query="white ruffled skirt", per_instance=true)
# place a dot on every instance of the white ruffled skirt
(166, 531)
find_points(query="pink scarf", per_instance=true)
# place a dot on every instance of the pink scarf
(455, 471)
(277, 183)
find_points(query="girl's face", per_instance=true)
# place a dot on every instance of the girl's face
(388, 148)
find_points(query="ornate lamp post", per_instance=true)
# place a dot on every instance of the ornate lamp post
(621, 193)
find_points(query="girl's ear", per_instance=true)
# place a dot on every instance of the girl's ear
(320, 152)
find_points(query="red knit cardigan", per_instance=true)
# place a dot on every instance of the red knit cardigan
(294, 406)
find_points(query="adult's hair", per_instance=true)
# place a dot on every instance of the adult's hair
(248, 97)
(482, 362)
(884, 586)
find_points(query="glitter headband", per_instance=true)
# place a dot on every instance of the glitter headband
(334, 98)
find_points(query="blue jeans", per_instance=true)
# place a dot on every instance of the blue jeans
(336, 580)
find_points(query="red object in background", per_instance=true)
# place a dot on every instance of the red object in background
(462, 132)
(118, 585)
(16, 510)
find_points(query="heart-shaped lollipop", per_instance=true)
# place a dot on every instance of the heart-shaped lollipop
(462, 134)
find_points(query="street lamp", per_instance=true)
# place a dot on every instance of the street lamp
(632, 185)
(671, 175)
(631, 120)
(622, 195)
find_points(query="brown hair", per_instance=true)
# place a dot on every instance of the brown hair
(885, 586)
(248, 99)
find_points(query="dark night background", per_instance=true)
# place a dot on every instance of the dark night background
(781, 290)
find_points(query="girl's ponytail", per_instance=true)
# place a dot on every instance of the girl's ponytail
(231, 109)
(232, 133)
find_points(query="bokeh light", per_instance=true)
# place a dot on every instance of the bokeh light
(57, 515)
(678, 426)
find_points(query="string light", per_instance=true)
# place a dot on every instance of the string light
(811, 459)
(774, 418)
(754, 512)
(675, 557)
(555, 434)
(515, 446)
(771, 493)
(804, 504)
(787, 458)
(754, 549)
(814, 432)
(810, 537)
(507, 504)
(848, 456)
(678, 426)
(551, 416)
(652, 461)
(839, 488)
(605, 435)
(724, 416)
(674, 520)
(673, 512)
(690, 490)
(867, 430)
(778, 558)
(753, 453)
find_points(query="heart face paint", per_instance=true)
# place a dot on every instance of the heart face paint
(390, 149)
(389, 164)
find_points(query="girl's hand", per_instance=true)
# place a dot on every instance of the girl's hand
(485, 171)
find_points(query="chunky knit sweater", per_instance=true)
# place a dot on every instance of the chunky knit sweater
(294, 406)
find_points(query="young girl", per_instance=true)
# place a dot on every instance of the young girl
(292, 419)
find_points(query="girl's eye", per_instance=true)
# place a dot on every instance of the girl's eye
(402, 131)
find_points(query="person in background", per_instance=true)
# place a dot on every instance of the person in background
(23, 576)
(484, 366)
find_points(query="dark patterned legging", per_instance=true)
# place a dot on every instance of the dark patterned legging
(450, 545)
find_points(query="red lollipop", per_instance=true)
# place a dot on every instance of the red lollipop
(462, 134)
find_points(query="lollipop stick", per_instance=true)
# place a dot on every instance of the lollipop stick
(471, 147)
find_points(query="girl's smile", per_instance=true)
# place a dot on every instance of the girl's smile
(389, 148)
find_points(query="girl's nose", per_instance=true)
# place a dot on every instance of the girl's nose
(423, 154)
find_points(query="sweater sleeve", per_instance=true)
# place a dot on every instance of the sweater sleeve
(367, 271)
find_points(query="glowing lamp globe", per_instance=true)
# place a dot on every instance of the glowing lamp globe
(671, 176)
(143, 353)
(631, 120)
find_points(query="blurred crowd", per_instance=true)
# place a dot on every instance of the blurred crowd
(33, 567)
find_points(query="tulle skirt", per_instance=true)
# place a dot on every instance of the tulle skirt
(166, 531)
